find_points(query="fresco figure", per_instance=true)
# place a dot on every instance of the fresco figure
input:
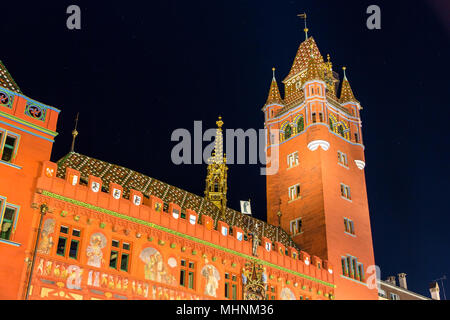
(46, 240)
(212, 279)
(287, 294)
(155, 268)
(94, 251)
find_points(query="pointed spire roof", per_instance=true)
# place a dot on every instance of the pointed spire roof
(6, 80)
(346, 91)
(303, 56)
(313, 72)
(274, 92)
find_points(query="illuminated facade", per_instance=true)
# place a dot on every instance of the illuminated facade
(83, 228)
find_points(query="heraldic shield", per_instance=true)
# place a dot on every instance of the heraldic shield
(254, 280)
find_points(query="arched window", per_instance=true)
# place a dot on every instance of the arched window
(341, 130)
(300, 124)
(287, 132)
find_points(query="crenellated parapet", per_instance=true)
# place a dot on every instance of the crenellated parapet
(145, 220)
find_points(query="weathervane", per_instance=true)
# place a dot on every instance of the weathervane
(303, 16)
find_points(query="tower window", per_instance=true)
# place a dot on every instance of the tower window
(352, 268)
(287, 132)
(314, 117)
(7, 223)
(292, 159)
(294, 192)
(342, 158)
(349, 226)
(345, 192)
(300, 124)
(320, 116)
(296, 226)
(356, 137)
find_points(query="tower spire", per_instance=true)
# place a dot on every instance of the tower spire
(274, 92)
(74, 134)
(216, 178)
(346, 91)
(303, 16)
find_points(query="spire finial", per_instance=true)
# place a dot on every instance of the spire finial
(219, 122)
(74, 134)
(345, 76)
(303, 16)
(273, 73)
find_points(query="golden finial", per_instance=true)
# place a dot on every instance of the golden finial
(303, 16)
(345, 76)
(273, 72)
(219, 122)
(74, 134)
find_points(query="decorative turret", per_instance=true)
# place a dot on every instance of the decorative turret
(346, 91)
(216, 178)
(274, 93)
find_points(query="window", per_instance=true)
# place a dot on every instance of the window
(68, 242)
(394, 296)
(231, 286)
(294, 192)
(314, 117)
(356, 137)
(352, 268)
(272, 293)
(7, 223)
(296, 226)
(120, 255)
(345, 192)
(300, 124)
(320, 116)
(9, 146)
(297, 85)
(287, 132)
(349, 226)
(342, 158)
(292, 159)
(187, 274)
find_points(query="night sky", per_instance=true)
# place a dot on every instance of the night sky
(138, 70)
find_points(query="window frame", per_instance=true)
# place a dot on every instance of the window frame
(188, 274)
(347, 192)
(4, 205)
(292, 159)
(298, 223)
(70, 238)
(4, 134)
(120, 251)
(297, 190)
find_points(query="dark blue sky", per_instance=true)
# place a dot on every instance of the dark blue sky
(138, 70)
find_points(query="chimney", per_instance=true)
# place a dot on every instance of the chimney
(391, 280)
(402, 281)
(434, 291)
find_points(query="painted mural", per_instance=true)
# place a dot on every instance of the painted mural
(94, 251)
(155, 268)
(212, 276)
(46, 239)
(287, 294)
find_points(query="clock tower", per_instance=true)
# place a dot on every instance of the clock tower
(320, 186)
